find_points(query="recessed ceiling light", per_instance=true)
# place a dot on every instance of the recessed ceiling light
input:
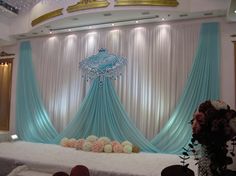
(163, 19)
(50, 32)
(69, 29)
(235, 11)
(183, 15)
(107, 14)
(145, 13)
(208, 14)
(136, 21)
(14, 137)
(113, 24)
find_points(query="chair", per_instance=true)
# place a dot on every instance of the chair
(177, 170)
(60, 174)
(80, 170)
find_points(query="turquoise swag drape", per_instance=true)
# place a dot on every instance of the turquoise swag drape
(102, 113)
(202, 84)
(32, 121)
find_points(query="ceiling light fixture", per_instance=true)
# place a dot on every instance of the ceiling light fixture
(163, 19)
(108, 24)
(107, 14)
(69, 30)
(113, 24)
(145, 13)
(235, 11)
(14, 137)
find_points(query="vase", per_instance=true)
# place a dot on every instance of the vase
(204, 167)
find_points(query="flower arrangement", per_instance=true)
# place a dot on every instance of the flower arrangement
(103, 144)
(213, 125)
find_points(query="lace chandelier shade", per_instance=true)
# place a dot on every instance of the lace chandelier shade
(102, 65)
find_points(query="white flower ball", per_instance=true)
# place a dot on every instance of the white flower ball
(127, 149)
(126, 143)
(92, 138)
(87, 146)
(218, 104)
(108, 148)
(105, 140)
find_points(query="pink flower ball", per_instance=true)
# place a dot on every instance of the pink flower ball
(200, 117)
(79, 144)
(97, 146)
(118, 148)
(72, 142)
(64, 142)
(196, 127)
(105, 140)
(113, 143)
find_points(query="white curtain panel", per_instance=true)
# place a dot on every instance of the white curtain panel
(159, 59)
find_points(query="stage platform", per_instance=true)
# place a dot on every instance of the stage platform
(46, 159)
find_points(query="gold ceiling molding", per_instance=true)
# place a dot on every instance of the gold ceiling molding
(169, 3)
(47, 16)
(87, 4)
(6, 56)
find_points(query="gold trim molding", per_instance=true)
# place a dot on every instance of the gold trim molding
(87, 4)
(47, 16)
(168, 3)
(4, 54)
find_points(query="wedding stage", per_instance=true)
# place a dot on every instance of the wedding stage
(46, 159)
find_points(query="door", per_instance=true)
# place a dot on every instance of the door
(6, 65)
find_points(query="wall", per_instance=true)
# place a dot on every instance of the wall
(227, 66)
(227, 63)
(4, 31)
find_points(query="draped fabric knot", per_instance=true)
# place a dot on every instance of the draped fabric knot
(102, 65)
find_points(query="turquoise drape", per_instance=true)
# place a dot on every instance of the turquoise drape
(102, 113)
(32, 121)
(202, 84)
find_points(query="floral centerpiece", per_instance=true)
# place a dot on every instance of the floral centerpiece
(213, 125)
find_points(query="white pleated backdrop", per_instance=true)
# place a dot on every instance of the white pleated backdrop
(159, 59)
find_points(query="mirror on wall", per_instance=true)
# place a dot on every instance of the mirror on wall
(6, 65)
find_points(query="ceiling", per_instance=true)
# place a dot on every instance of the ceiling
(21, 5)
(102, 19)
(117, 18)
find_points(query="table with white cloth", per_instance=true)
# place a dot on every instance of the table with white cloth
(46, 159)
